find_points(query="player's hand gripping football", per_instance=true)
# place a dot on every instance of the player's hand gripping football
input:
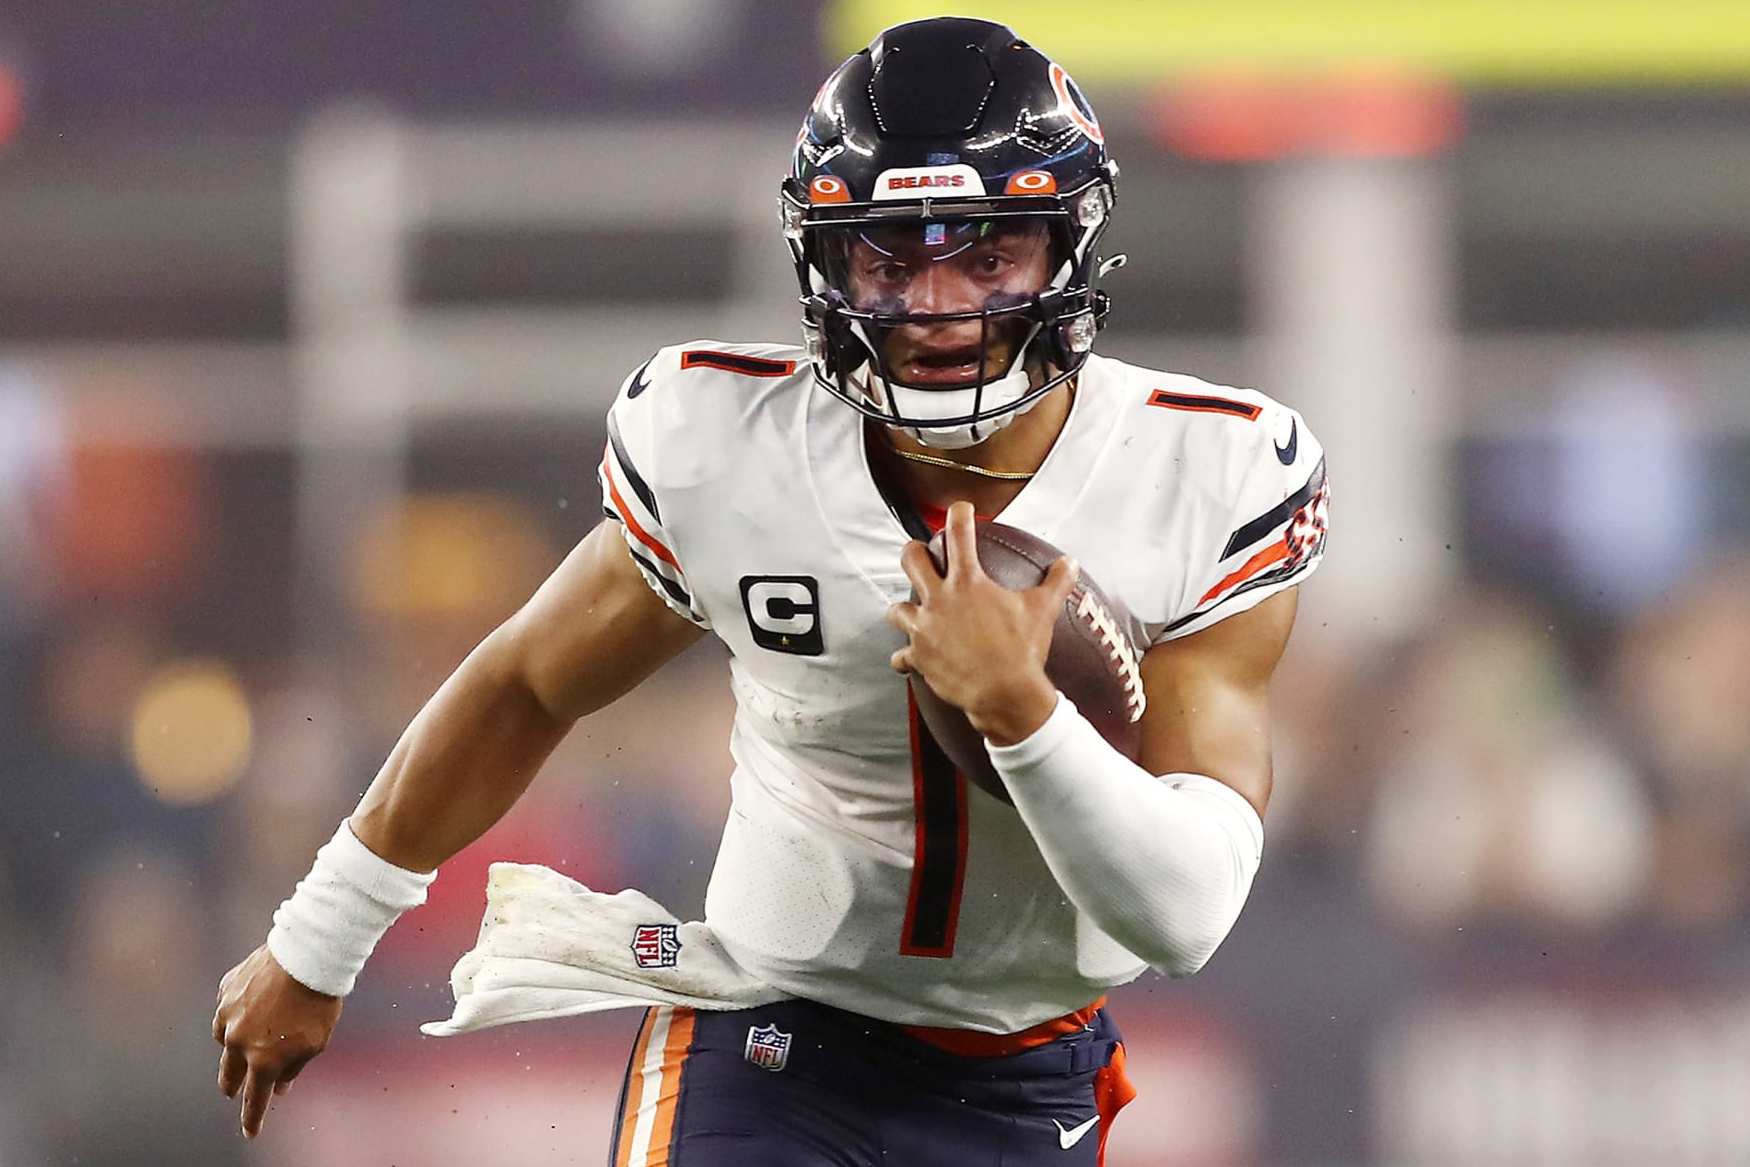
(979, 645)
(271, 1026)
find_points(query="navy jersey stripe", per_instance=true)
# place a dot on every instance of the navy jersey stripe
(1199, 403)
(639, 486)
(892, 493)
(736, 363)
(932, 913)
(675, 590)
(1267, 522)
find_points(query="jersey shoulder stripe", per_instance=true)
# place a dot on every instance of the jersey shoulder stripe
(1250, 532)
(682, 600)
(615, 504)
(1284, 561)
(1205, 403)
(1275, 553)
(641, 488)
(1246, 499)
(747, 366)
(672, 433)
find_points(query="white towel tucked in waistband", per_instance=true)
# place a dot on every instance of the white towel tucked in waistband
(551, 947)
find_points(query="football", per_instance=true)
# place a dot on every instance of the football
(1092, 659)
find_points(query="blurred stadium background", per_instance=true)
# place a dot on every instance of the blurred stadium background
(308, 318)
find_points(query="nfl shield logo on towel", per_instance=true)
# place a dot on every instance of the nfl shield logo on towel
(656, 945)
(767, 1048)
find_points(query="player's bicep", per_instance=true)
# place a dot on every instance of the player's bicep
(1208, 699)
(594, 629)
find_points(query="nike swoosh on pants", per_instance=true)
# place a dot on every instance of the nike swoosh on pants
(1069, 1138)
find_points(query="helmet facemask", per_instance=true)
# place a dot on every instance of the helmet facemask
(941, 314)
(948, 325)
(958, 132)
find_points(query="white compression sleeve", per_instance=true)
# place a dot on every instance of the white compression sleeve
(326, 931)
(1163, 865)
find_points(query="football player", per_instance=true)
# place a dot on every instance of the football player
(933, 961)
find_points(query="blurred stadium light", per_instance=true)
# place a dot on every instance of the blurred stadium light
(192, 732)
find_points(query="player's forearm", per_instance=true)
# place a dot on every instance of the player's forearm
(461, 764)
(1162, 865)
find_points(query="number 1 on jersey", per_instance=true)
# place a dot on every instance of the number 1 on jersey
(938, 874)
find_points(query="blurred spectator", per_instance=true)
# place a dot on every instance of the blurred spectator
(11, 88)
(307, 770)
(72, 793)
(1630, 498)
(133, 521)
(32, 462)
(112, 1062)
(22, 964)
(1325, 739)
(1501, 799)
(642, 39)
(663, 791)
(1682, 683)
(431, 574)
(1602, 502)
(33, 469)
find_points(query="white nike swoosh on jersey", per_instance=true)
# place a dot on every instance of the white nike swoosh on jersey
(1069, 1138)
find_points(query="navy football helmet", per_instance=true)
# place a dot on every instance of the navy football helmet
(942, 138)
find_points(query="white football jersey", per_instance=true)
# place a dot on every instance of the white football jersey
(857, 868)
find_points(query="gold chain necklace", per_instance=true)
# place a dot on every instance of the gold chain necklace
(949, 464)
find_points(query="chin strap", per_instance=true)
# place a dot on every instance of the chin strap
(918, 406)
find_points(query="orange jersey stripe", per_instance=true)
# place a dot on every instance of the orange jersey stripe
(1274, 553)
(970, 1044)
(638, 532)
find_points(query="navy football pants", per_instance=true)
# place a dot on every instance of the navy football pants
(798, 1084)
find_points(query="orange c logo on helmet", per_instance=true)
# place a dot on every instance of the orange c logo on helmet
(1032, 182)
(1067, 93)
(828, 188)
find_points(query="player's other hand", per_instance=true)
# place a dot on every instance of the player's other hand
(977, 644)
(270, 1027)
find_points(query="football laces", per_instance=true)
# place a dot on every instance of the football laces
(1118, 648)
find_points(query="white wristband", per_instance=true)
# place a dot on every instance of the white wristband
(325, 932)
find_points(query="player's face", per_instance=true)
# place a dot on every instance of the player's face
(934, 269)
